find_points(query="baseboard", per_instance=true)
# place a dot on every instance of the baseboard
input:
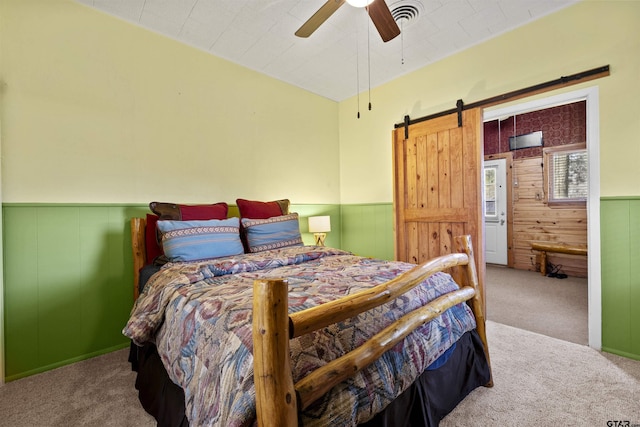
(42, 369)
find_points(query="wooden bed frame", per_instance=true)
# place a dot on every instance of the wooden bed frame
(278, 399)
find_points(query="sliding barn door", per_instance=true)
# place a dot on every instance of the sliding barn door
(438, 187)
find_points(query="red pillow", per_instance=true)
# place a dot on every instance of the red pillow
(153, 249)
(203, 212)
(262, 210)
(176, 212)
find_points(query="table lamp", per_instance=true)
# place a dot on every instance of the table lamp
(319, 226)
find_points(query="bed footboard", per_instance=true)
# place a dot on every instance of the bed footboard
(278, 399)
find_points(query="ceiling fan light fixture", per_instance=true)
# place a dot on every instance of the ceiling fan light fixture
(378, 11)
(360, 3)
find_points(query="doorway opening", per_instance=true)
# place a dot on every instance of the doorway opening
(589, 98)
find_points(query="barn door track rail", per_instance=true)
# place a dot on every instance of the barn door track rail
(564, 81)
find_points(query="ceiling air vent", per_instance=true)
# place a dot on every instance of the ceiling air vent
(406, 12)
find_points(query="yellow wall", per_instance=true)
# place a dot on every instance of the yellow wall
(95, 109)
(581, 37)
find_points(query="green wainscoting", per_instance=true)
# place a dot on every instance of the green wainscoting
(68, 280)
(68, 274)
(620, 247)
(367, 230)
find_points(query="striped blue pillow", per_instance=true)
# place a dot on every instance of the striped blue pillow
(198, 240)
(272, 233)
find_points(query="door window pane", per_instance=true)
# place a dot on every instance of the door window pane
(490, 173)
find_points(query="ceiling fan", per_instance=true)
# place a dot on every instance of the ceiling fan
(378, 12)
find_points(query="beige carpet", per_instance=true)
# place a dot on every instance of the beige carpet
(546, 305)
(539, 381)
(94, 392)
(543, 381)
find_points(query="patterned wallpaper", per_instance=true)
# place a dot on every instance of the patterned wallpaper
(565, 124)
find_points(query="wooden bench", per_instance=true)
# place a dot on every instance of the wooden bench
(544, 247)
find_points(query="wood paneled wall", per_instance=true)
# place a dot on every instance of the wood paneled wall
(533, 221)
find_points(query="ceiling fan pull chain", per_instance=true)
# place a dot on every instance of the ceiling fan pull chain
(402, 40)
(358, 70)
(369, 58)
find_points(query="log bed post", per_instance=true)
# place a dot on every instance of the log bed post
(276, 403)
(463, 244)
(139, 252)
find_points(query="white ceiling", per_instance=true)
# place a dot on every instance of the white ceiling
(345, 55)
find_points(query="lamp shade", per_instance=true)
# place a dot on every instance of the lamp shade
(319, 224)
(359, 3)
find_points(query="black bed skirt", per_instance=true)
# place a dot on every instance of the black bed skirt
(432, 396)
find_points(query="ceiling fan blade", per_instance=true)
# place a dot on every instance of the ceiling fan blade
(319, 17)
(383, 20)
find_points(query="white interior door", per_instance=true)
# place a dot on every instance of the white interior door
(495, 211)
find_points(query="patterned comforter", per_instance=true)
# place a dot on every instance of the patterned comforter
(199, 316)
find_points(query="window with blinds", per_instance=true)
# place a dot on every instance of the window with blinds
(566, 174)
